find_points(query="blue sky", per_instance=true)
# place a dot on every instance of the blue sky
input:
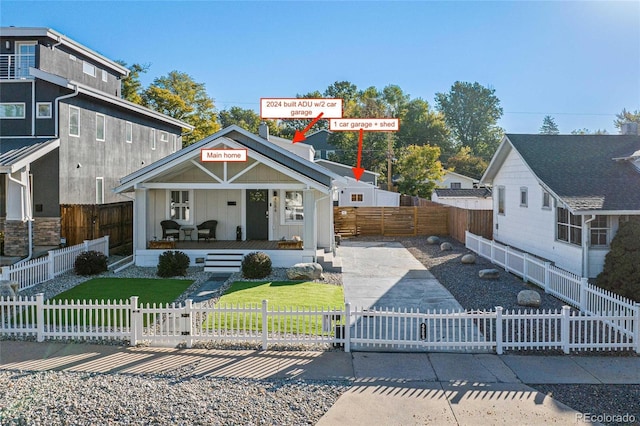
(576, 61)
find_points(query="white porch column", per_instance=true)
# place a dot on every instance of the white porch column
(17, 203)
(140, 219)
(310, 220)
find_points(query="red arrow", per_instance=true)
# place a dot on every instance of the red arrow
(299, 136)
(357, 171)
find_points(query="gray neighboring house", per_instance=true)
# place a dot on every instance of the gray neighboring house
(66, 136)
(320, 142)
(562, 197)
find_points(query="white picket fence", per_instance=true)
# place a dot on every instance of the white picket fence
(36, 271)
(353, 328)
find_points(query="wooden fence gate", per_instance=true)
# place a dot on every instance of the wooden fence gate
(81, 222)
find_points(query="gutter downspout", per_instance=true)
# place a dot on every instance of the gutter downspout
(585, 245)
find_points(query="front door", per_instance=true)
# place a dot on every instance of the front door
(257, 214)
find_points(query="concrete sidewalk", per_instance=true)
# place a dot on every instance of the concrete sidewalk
(386, 388)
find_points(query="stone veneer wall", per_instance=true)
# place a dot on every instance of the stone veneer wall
(46, 231)
(16, 239)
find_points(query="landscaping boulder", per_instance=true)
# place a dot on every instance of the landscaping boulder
(433, 240)
(468, 259)
(489, 274)
(8, 288)
(446, 246)
(305, 271)
(529, 298)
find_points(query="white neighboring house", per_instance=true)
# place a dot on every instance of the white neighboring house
(455, 180)
(470, 199)
(562, 197)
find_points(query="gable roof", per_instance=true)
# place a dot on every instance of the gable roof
(588, 173)
(255, 143)
(462, 192)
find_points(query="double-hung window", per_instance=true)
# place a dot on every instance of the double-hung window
(569, 226)
(74, 121)
(599, 235)
(293, 206)
(100, 127)
(179, 207)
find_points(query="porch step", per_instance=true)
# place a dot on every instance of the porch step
(329, 262)
(223, 262)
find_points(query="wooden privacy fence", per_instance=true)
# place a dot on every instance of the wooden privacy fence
(80, 222)
(432, 219)
(391, 221)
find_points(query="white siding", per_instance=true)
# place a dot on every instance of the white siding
(213, 205)
(530, 228)
(465, 181)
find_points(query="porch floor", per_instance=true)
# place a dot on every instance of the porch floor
(227, 245)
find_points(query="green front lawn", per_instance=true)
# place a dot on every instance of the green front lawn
(281, 295)
(148, 290)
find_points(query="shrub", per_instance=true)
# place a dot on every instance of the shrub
(621, 273)
(90, 263)
(173, 263)
(256, 265)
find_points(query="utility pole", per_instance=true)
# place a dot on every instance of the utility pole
(389, 160)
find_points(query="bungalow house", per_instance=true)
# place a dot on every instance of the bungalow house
(562, 197)
(455, 180)
(274, 195)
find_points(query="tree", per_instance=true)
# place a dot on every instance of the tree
(626, 117)
(419, 169)
(131, 85)
(179, 96)
(585, 131)
(467, 164)
(621, 272)
(421, 126)
(248, 119)
(471, 112)
(549, 126)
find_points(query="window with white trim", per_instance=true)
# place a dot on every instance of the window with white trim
(153, 138)
(599, 234)
(524, 196)
(99, 190)
(12, 110)
(100, 127)
(501, 200)
(179, 208)
(293, 206)
(74, 121)
(455, 185)
(128, 130)
(546, 200)
(357, 198)
(105, 76)
(43, 110)
(164, 136)
(569, 227)
(88, 69)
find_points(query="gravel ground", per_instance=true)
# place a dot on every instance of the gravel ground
(473, 293)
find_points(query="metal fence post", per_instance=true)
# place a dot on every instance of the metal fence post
(499, 348)
(564, 329)
(40, 317)
(136, 322)
(347, 327)
(265, 322)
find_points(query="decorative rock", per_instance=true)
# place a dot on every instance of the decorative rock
(489, 274)
(433, 240)
(8, 289)
(529, 298)
(468, 259)
(305, 271)
(446, 246)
